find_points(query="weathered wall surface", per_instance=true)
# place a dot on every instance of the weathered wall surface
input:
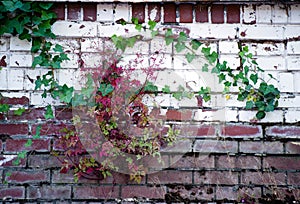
(225, 158)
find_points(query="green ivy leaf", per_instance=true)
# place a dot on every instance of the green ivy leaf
(4, 108)
(205, 93)
(166, 89)
(152, 25)
(49, 112)
(37, 132)
(254, 78)
(154, 33)
(195, 44)
(182, 37)
(19, 111)
(150, 87)
(169, 40)
(260, 115)
(28, 143)
(105, 89)
(45, 6)
(169, 32)
(205, 68)
(249, 105)
(190, 57)
(66, 93)
(58, 48)
(179, 47)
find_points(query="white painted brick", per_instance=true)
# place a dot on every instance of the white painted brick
(286, 82)
(289, 101)
(69, 45)
(292, 116)
(3, 79)
(158, 44)
(66, 76)
(79, 76)
(293, 47)
(233, 61)
(74, 29)
(258, 32)
(19, 45)
(15, 79)
(3, 44)
(213, 31)
(136, 62)
(295, 13)
(249, 14)
(267, 78)
(297, 81)
(293, 62)
(140, 47)
(279, 14)
(214, 115)
(231, 102)
(161, 100)
(31, 74)
(266, 49)
(231, 115)
(91, 44)
(72, 63)
(105, 12)
(292, 31)
(271, 63)
(37, 100)
(271, 117)
(185, 102)
(20, 60)
(110, 30)
(228, 47)
(91, 60)
(122, 11)
(264, 14)
(166, 61)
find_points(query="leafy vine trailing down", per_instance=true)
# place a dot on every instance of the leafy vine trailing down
(32, 21)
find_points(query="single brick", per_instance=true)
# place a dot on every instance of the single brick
(74, 10)
(23, 176)
(192, 162)
(96, 192)
(215, 146)
(217, 13)
(179, 114)
(13, 129)
(19, 145)
(216, 177)
(292, 147)
(196, 130)
(12, 192)
(258, 178)
(249, 14)
(261, 147)
(44, 161)
(201, 12)
(14, 101)
(294, 179)
(283, 131)
(239, 162)
(186, 13)
(169, 176)
(59, 9)
(89, 11)
(49, 192)
(138, 11)
(282, 163)
(154, 12)
(143, 192)
(169, 13)
(233, 13)
(242, 130)
(52, 128)
(28, 114)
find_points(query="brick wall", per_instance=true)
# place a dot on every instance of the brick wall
(227, 156)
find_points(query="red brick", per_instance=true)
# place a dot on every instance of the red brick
(74, 11)
(230, 193)
(201, 12)
(96, 192)
(282, 163)
(155, 10)
(1, 147)
(63, 113)
(217, 13)
(138, 11)
(189, 193)
(49, 192)
(186, 13)
(294, 179)
(59, 9)
(28, 177)
(258, 178)
(169, 176)
(283, 131)
(143, 192)
(169, 13)
(14, 101)
(261, 147)
(215, 146)
(44, 161)
(12, 192)
(63, 178)
(52, 128)
(216, 177)
(13, 129)
(292, 147)
(179, 114)
(242, 130)
(89, 11)
(196, 130)
(192, 162)
(18, 145)
(29, 114)
(240, 162)
(233, 13)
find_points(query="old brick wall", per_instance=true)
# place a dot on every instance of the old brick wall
(225, 158)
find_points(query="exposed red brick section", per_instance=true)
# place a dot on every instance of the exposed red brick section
(179, 114)
(28, 177)
(242, 130)
(283, 131)
(261, 147)
(94, 192)
(230, 193)
(138, 11)
(49, 192)
(217, 13)
(164, 177)
(169, 13)
(186, 13)
(63, 113)
(259, 178)
(143, 192)
(43, 161)
(233, 13)
(241, 162)
(14, 129)
(18, 145)
(216, 177)
(14, 101)
(28, 114)
(59, 9)
(282, 163)
(154, 11)
(12, 192)
(201, 12)
(74, 10)
(215, 146)
(89, 11)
